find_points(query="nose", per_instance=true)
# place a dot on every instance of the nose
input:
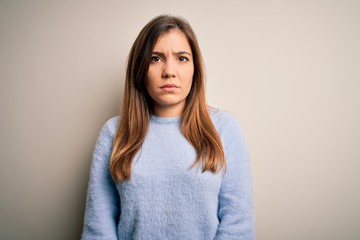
(169, 70)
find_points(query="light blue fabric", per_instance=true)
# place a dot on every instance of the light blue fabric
(165, 198)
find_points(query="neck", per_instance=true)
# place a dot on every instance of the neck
(168, 111)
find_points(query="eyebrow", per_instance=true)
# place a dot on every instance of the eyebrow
(174, 53)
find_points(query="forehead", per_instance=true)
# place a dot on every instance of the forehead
(174, 39)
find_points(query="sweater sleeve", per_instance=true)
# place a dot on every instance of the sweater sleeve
(102, 203)
(235, 211)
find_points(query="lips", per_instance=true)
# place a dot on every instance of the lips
(169, 86)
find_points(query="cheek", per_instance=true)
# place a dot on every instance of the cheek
(149, 88)
(190, 77)
(149, 81)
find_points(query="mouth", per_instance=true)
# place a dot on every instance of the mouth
(169, 86)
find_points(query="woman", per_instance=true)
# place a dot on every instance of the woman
(168, 167)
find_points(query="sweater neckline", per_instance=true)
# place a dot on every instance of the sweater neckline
(165, 120)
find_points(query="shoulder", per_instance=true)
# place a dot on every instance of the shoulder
(231, 134)
(111, 125)
(223, 120)
(228, 127)
(108, 129)
(105, 139)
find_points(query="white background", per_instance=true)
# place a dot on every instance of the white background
(289, 70)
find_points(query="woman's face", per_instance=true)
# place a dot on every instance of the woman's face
(170, 73)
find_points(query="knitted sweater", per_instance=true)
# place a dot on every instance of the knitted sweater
(165, 198)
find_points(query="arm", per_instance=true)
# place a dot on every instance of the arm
(102, 203)
(235, 198)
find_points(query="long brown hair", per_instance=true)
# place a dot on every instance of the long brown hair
(196, 124)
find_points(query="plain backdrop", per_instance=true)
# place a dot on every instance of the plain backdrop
(289, 70)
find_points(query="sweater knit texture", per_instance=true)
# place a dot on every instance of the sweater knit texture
(165, 198)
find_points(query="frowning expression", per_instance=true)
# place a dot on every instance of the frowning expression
(170, 73)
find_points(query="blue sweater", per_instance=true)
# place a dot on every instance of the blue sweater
(165, 198)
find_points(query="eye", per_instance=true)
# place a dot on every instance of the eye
(155, 59)
(183, 59)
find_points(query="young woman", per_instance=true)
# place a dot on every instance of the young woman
(169, 167)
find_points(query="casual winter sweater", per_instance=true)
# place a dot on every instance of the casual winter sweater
(165, 198)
